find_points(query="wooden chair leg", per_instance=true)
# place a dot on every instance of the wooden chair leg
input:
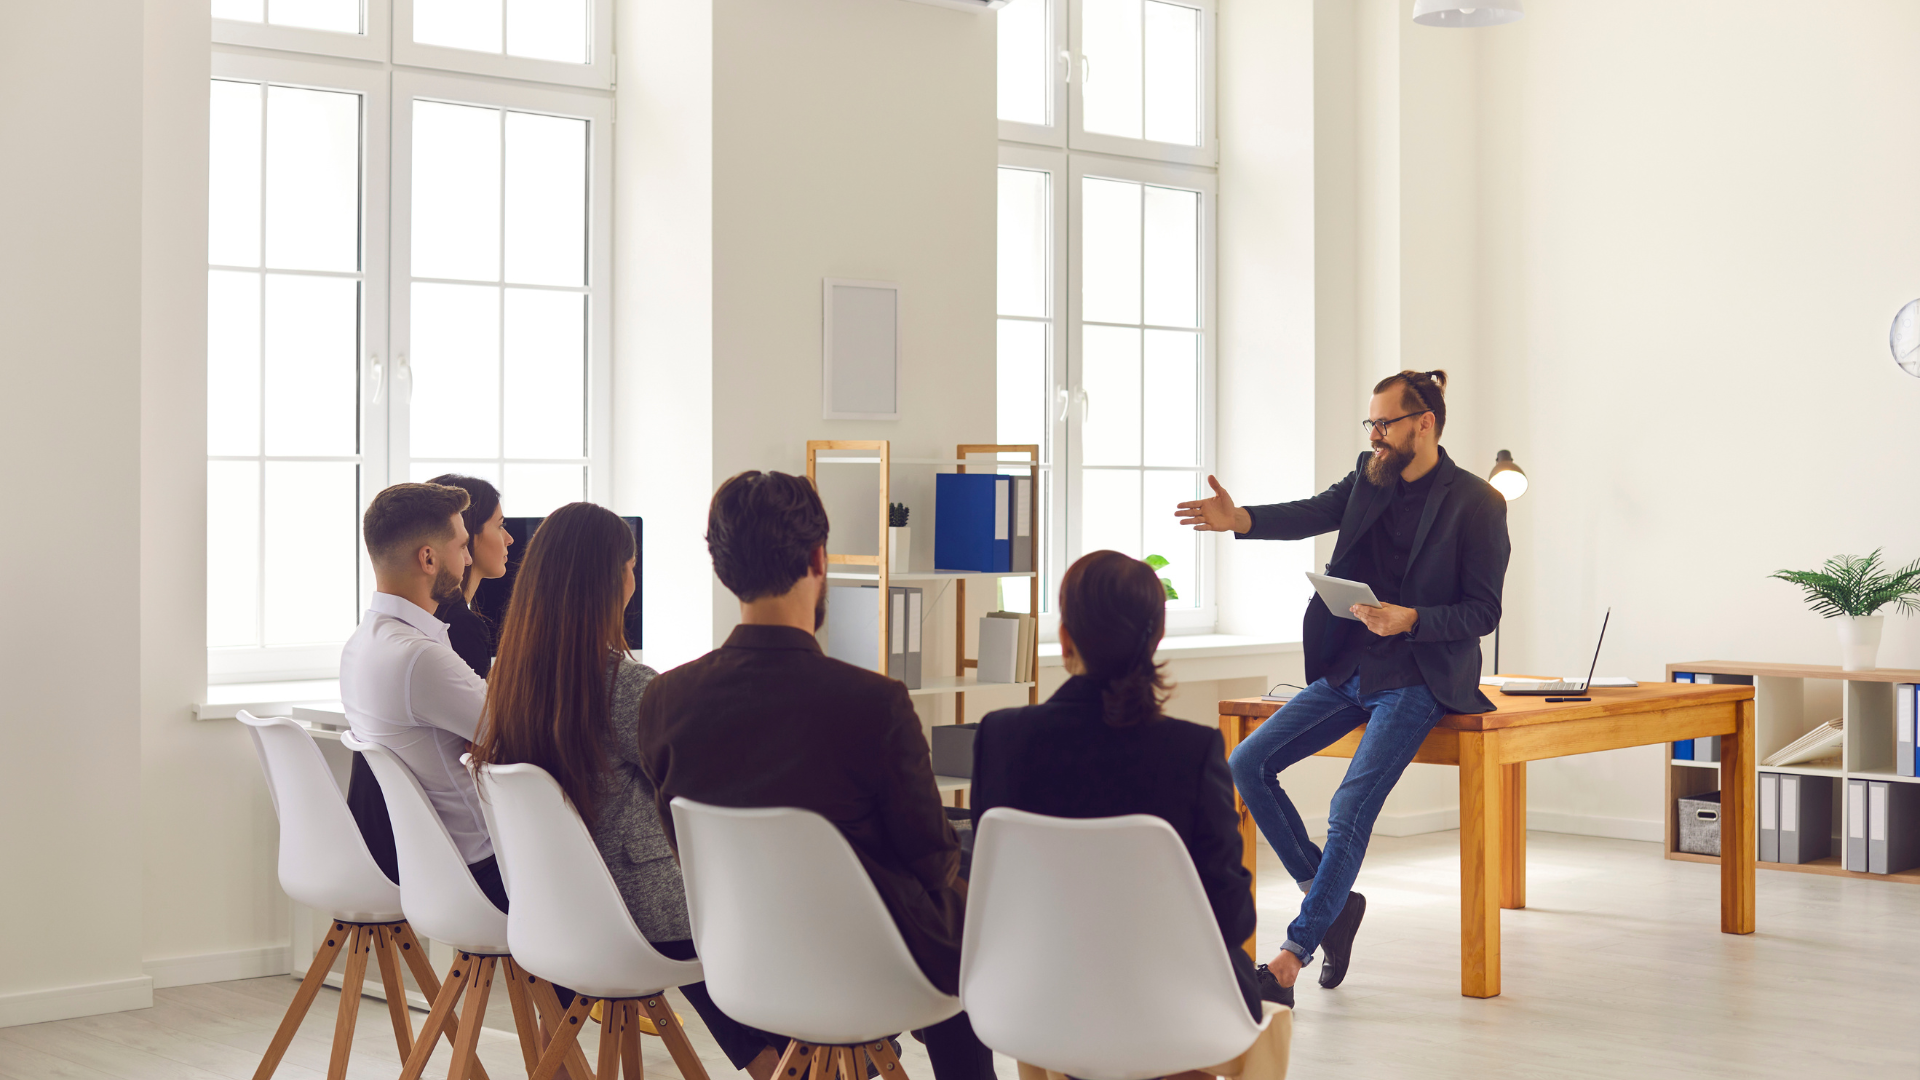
(859, 1061)
(444, 1003)
(822, 1064)
(886, 1060)
(668, 1025)
(337, 936)
(479, 984)
(395, 988)
(416, 957)
(349, 1014)
(630, 1065)
(611, 1031)
(794, 1061)
(566, 1036)
(524, 1021)
(574, 1067)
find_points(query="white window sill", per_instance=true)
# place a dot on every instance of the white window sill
(1195, 647)
(224, 701)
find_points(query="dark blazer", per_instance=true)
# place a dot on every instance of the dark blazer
(768, 720)
(1059, 758)
(1455, 572)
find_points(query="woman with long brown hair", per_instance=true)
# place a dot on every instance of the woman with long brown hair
(564, 695)
(1101, 747)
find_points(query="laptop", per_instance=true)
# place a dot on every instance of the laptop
(1531, 689)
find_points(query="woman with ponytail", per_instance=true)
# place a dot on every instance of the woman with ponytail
(1101, 747)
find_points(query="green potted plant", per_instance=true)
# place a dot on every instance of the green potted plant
(1853, 590)
(899, 538)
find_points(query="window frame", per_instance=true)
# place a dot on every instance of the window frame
(1080, 140)
(1053, 448)
(1203, 617)
(596, 74)
(261, 662)
(1062, 62)
(597, 110)
(372, 44)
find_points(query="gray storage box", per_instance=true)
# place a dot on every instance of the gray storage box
(1700, 824)
(953, 749)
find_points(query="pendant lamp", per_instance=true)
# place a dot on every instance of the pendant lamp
(1465, 14)
(1506, 477)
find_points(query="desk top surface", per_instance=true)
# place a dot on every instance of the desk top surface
(1524, 711)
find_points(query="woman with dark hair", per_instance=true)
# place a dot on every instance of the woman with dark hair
(564, 695)
(470, 634)
(1101, 747)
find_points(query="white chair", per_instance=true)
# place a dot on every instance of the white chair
(442, 901)
(796, 939)
(324, 864)
(1090, 949)
(568, 923)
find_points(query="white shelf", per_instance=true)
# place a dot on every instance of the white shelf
(983, 461)
(936, 575)
(1695, 764)
(1874, 774)
(951, 783)
(947, 684)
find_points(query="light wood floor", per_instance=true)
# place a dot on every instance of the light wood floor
(1616, 969)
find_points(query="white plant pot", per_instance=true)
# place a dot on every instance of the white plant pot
(1859, 641)
(900, 549)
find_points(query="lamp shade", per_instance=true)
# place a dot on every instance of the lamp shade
(1463, 14)
(1506, 477)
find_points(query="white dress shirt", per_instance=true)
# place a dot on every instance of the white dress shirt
(405, 688)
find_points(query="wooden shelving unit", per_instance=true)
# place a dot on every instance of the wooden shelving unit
(842, 568)
(1781, 716)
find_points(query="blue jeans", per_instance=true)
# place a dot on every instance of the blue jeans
(1397, 723)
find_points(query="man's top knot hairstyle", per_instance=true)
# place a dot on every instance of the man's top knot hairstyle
(1421, 391)
(404, 516)
(762, 528)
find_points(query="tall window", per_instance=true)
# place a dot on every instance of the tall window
(1105, 274)
(407, 275)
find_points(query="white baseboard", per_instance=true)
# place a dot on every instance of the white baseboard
(1430, 821)
(67, 1002)
(1612, 828)
(218, 967)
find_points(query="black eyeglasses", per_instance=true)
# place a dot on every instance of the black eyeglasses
(1375, 427)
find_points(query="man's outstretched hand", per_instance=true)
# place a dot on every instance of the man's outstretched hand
(1215, 514)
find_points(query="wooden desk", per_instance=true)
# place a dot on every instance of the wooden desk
(1492, 751)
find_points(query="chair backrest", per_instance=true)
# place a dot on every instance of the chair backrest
(567, 923)
(794, 937)
(1090, 949)
(324, 863)
(437, 891)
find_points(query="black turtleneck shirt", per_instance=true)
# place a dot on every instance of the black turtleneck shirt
(1384, 663)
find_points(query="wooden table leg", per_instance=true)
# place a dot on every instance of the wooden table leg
(1233, 728)
(1737, 835)
(1481, 821)
(1513, 836)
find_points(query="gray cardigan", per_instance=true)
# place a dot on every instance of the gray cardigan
(627, 829)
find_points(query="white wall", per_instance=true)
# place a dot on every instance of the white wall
(70, 362)
(1698, 222)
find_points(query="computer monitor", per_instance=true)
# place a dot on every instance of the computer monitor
(490, 600)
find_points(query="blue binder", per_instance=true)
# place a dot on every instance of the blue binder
(970, 522)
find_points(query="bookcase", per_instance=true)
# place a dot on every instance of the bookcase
(1781, 715)
(843, 569)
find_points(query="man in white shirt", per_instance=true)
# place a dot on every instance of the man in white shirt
(402, 684)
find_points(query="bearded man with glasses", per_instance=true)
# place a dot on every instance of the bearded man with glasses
(1431, 540)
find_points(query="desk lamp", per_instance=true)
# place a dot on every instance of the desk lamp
(1511, 482)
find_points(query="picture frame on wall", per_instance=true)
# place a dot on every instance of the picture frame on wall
(860, 350)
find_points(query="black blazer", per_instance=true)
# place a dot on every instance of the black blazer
(768, 720)
(1059, 758)
(1455, 572)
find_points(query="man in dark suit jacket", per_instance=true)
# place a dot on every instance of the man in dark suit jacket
(1431, 540)
(768, 720)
